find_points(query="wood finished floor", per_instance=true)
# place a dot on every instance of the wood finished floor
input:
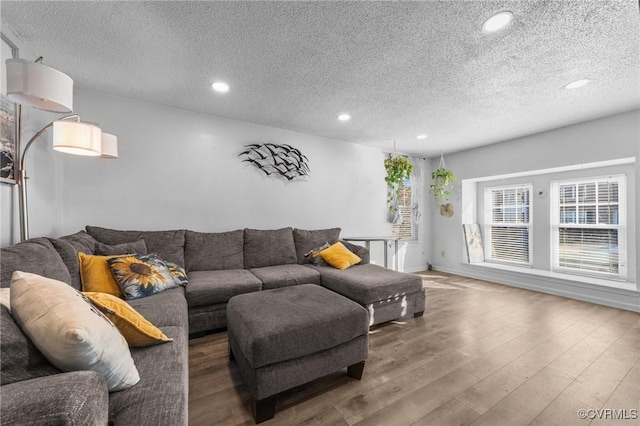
(483, 354)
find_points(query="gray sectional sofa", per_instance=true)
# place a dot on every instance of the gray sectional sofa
(219, 266)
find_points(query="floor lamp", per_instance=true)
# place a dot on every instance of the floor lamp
(39, 86)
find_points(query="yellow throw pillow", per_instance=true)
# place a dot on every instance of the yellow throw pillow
(339, 256)
(135, 328)
(96, 275)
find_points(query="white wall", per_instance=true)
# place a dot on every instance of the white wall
(179, 169)
(608, 138)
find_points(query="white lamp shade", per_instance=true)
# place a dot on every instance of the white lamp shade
(109, 147)
(33, 84)
(77, 138)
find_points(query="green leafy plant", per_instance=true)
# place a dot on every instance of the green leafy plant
(398, 169)
(443, 181)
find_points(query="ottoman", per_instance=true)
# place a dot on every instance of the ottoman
(286, 337)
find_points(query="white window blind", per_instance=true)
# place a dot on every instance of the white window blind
(588, 224)
(507, 224)
(406, 228)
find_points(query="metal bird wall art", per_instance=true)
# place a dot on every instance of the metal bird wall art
(277, 160)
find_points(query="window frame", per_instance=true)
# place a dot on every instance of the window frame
(489, 223)
(408, 210)
(621, 227)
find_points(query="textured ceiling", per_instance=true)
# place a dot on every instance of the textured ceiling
(399, 68)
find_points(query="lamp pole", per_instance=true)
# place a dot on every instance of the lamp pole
(22, 173)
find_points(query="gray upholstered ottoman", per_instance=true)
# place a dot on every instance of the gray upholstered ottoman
(286, 337)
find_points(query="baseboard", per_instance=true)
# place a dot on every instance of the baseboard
(614, 297)
(414, 270)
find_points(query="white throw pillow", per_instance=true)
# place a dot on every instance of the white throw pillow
(5, 297)
(69, 331)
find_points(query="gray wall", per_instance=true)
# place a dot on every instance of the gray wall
(608, 138)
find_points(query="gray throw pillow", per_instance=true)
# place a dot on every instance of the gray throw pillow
(134, 247)
(313, 255)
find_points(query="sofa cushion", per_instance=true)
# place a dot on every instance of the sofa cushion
(287, 323)
(133, 326)
(76, 398)
(213, 287)
(285, 275)
(134, 247)
(19, 358)
(69, 256)
(160, 398)
(69, 331)
(168, 244)
(36, 255)
(307, 240)
(82, 242)
(269, 247)
(214, 251)
(168, 308)
(368, 283)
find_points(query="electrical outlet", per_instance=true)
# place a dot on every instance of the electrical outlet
(443, 253)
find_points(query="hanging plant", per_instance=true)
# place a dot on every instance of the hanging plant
(398, 169)
(443, 181)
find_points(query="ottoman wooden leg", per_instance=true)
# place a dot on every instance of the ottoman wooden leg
(264, 409)
(355, 371)
(418, 314)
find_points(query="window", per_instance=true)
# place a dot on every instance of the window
(405, 229)
(588, 224)
(507, 220)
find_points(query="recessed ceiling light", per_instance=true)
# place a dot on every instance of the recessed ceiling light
(577, 83)
(497, 22)
(344, 117)
(423, 136)
(220, 87)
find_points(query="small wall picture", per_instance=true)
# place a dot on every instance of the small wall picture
(473, 240)
(8, 125)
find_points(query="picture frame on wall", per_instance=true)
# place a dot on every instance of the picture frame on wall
(9, 149)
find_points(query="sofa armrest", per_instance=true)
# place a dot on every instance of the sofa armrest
(76, 398)
(360, 251)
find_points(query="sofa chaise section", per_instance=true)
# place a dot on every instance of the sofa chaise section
(386, 294)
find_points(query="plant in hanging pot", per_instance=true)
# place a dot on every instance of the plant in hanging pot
(398, 169)
(443, 181)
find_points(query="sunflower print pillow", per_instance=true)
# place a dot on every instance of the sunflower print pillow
(179, 274)
(141, 275)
